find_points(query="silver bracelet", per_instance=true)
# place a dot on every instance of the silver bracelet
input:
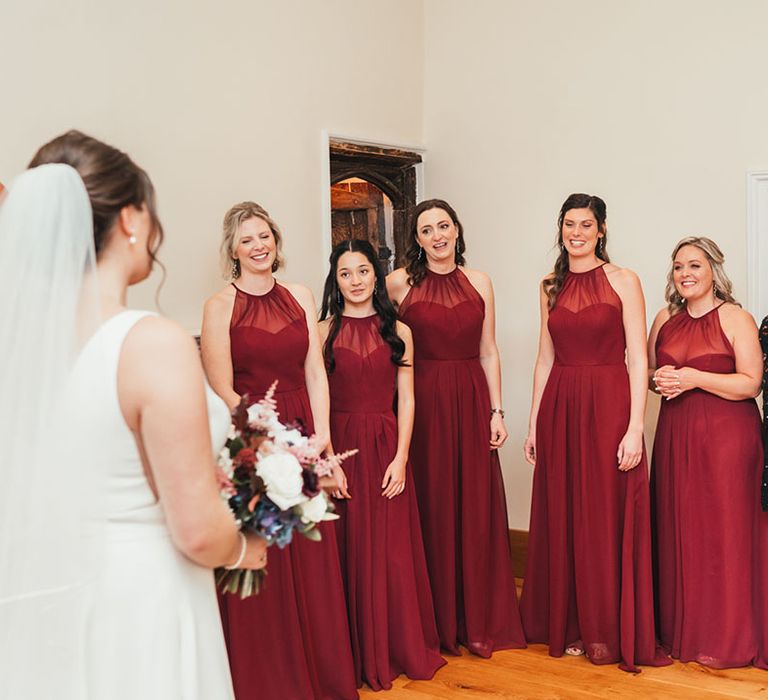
(500, 411)
(243, 546)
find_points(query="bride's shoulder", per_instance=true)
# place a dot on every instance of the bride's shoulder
(158, 338)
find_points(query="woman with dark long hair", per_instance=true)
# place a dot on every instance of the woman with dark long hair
(368, 354)
(711, 541)
(588, 586)
(458, 427)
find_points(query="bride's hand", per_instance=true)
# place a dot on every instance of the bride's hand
(255, 553)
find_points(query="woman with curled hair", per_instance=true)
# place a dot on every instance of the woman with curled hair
(290, 642)
(588, 587)
(711, 538)
(368, 353)
(458, 427)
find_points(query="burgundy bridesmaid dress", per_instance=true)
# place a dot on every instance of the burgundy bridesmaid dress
(290, 642)
(457, 476)
(588, 576)
(711, 540)
(391, 617)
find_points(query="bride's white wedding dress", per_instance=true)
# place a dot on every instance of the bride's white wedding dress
(152, 629)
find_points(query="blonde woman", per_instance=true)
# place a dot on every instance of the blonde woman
(292, 640)
(711, 536)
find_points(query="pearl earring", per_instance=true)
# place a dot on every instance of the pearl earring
(132, 239)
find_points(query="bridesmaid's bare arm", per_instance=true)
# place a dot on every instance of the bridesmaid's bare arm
(393, 483)
(739, 326)
(545, 358)
(397, 285)
(489, 355)
(336, 484)
(627, 286)
(215, 345)
(314, 366)
(661, 318)
(163, 402)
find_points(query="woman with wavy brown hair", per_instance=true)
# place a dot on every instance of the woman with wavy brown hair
(458, 427)
(711, 542)
(588, 587)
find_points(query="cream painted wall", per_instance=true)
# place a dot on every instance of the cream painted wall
(660, 107)
(220, 102)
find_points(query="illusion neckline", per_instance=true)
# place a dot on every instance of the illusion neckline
(359, 318)
(442, 274)
(257, 296)
(704, 315)
(587, 272)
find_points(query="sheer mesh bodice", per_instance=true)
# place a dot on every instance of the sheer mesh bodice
(586, 324)
(685, 341)
(711, 542)
(269, 340)
(588, 575)
(363, 380)
(445, 313)
(455, 472)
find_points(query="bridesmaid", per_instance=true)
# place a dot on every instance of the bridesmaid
(711, 536)
(588, 586)
(290, 642)
(458, 427)
(368, 355)
(764, 346)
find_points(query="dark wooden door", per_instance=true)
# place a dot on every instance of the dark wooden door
(389, 170)
(357, 211)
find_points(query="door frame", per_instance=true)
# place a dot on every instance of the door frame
(328, 135)
(757, 243)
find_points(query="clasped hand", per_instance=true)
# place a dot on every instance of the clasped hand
(672, 381)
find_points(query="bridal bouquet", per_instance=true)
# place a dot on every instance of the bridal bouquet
(270, 474)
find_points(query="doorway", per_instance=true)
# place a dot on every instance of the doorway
(373, 189)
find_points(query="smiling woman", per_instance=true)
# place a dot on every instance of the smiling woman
(255, 331)
(588, 587)
(459, 424)
(712, 539)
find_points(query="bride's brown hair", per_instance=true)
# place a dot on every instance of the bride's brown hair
(111, 178)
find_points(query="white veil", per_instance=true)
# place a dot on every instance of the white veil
(50, 544)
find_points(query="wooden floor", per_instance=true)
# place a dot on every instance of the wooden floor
(525, 674)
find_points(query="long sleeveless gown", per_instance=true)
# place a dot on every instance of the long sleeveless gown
(711, 536)
(153, 630)
(391, 617)
(588, 575)
(291, 641)
(457, 476)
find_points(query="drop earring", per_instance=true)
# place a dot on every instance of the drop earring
(421, 254)
(235, 269)
(339, 299)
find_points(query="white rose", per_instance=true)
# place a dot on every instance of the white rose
(290, 437)
(314, 509)
(258, 415)
(282, 476)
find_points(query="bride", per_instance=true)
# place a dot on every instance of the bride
(110, 518)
